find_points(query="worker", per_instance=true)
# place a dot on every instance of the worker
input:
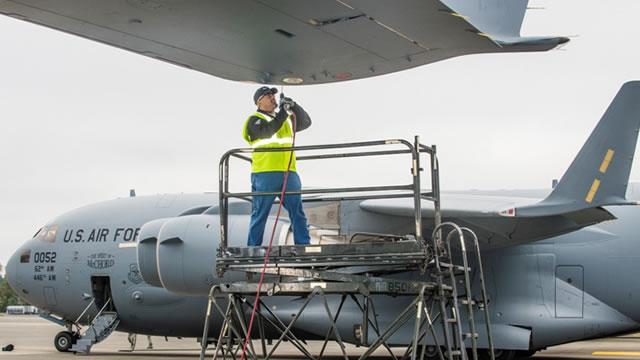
(132, 337)
(267, 129)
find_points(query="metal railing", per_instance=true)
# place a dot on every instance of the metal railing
(93, 301)
(412, 190)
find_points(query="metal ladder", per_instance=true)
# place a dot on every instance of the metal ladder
(446, 275)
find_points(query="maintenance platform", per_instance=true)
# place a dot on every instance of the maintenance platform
(354, 267)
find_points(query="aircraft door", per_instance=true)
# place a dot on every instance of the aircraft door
(101, 292)
(50, 297)
(569, 291)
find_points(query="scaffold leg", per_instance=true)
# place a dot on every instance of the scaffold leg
(399, 321)
(326, 338)
(293, 321)
(336, 333)
(374, 323)
(240, 315)
(261, 330)
(277, 324)
(204, 343)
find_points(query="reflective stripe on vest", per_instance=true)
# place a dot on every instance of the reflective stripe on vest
(272, 140)
(276, 160)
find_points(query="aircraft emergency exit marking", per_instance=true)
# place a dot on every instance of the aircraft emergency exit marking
(100, 235)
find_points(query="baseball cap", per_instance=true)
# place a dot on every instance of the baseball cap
(262, 92)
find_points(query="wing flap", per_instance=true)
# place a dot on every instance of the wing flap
(424, 22)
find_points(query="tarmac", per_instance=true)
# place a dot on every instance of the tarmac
(32, 338)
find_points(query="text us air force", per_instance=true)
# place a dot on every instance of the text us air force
(100, 235)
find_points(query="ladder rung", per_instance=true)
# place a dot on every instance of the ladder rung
(449, 266)
(468, 335)
(454, 267)
(452, 320)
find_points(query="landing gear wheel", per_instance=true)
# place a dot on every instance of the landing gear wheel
(63, 341)
(500, 354)
(431, 352)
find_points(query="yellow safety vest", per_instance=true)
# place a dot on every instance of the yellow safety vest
(273, 160)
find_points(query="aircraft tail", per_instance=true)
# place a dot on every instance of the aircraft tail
(599, 174)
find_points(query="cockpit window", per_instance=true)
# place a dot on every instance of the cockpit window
(25, 256)
(47, 234)
(50, 236)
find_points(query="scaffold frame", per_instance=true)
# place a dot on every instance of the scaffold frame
(354, 272)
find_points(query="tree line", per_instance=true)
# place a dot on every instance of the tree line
(8, 296)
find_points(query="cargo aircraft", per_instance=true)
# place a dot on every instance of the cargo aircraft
(144, 264)
(558, 270)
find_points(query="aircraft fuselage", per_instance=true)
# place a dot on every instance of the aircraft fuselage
(570, 287)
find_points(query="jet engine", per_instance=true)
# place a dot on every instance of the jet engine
(179, 253)
(147, 244)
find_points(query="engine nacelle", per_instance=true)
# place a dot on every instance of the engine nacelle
(147, 250)
(186, 253)
(187, 247)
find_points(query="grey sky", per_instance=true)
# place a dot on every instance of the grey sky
(84, 122)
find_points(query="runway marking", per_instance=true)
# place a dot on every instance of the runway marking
(616, 353)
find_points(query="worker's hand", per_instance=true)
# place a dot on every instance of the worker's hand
(287, 103)
(283, 114)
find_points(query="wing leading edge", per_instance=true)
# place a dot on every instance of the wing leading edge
(292, 41)
(597, 177)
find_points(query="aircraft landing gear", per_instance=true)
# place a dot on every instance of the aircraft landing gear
(431, 352)
(500, 354)
(64, 340)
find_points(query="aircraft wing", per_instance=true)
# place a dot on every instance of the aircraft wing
(292, 41)
(486, 216)
(597, 177)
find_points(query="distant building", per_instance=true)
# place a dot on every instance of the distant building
(22, 310)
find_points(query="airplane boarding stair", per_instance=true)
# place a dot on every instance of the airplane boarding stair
(100, 328)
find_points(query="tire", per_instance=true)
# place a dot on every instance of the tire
(500, 354)
(431, 352)
(63, 341)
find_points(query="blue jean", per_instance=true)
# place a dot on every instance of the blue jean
(272, 182)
